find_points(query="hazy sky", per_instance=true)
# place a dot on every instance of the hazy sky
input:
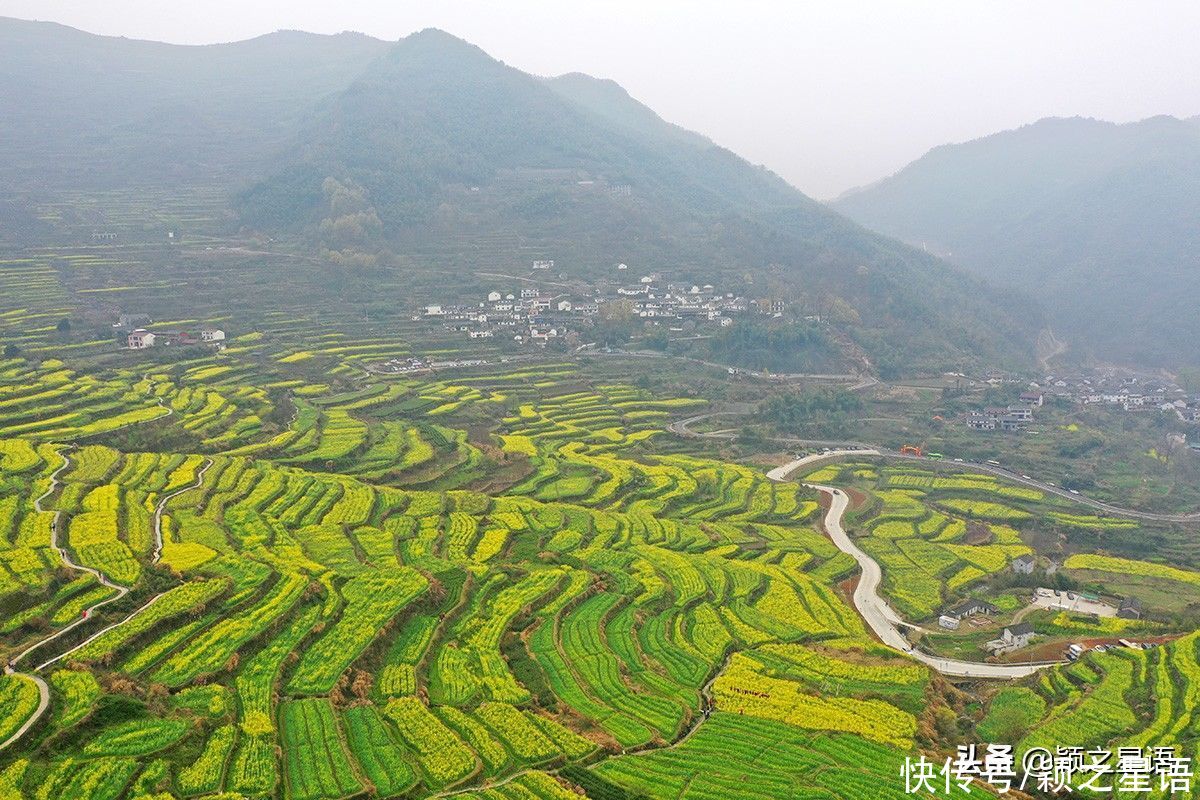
(830, 95)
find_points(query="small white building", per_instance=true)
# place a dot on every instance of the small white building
(494, 297)
(141, 339)
(1024, 564)
(212, 335)
(1014, 637)
(564, 305)
(1019, 412)
(948, 622)
(434, 311)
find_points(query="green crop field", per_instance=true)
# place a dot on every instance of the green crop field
(269, 572)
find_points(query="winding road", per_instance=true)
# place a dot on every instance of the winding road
(883, 619)
(10, 667)
(120, 592)
(844, 449)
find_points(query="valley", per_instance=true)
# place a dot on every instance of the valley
(379, 420)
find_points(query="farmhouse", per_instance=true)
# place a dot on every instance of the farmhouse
(212, 335)
(1130, 608)
(1020, 413)
(1014, 637)
(141, 339)
(948, 622)
(167, 338)
(1023, 565)
(129, 322)
(971, 608)
(981, 422)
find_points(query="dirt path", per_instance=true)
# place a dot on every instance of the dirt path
(120, 591)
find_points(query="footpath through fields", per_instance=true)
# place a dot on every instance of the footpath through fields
(119, 592)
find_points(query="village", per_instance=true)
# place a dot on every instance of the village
(530, 316)
(1110, 388)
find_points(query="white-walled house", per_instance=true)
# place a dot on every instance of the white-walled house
(141, 339)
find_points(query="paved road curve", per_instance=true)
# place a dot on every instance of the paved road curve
(882, 619)
(852, 449)
(43, 704)
(781, 473)
(10, 667)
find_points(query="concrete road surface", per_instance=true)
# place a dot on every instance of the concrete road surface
(781, 473)
(881, 617)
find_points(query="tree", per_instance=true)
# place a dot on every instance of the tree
(657, 338)
(614, 323)
(11, 350)
(64, 325)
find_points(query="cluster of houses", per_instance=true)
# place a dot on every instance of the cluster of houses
(652, 298)
(528, 315)
(1126, 391)
(404, 366)
(523, 316)
(1123, 391)
(140, 338)
(1020, 634)
(1006, 418)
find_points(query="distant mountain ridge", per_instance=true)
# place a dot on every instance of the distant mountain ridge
(76, 108)
(1101, 220)
(429, 151)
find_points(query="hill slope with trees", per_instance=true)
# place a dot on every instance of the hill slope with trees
(1099, 220)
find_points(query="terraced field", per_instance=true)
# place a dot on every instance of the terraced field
(502, 582)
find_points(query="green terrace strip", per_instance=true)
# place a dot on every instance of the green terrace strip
(315, 759)
(18, 701)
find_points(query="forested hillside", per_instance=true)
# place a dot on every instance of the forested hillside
(429, 154)
(438, 149)
(1098, 220)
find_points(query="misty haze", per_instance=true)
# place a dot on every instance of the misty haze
(695, 401)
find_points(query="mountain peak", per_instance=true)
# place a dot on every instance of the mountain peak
(438, 41)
